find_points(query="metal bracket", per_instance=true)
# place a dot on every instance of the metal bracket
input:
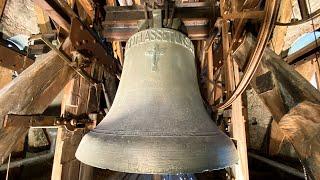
(85, 42)
(40, 121)
(80, 71)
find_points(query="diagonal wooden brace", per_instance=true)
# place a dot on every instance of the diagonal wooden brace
(286, 93)
(31, 93)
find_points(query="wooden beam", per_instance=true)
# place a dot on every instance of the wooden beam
(238, 131)
(13, 59)
(280, 32)
(210, 86)
(118, 51)
(302, 126)
(121, 21)
(43, 20)
(303, 7)
(76, 101)
(307, 52)
(47, 77)
(55, 13)
(10, 136)
(277, 43)
(5, 76)
(2, 6)
(281, 88)
(248, 14)
(88, 8)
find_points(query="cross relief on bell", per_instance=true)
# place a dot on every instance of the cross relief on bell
(154, 53)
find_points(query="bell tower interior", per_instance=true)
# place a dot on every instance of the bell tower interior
(159, 89)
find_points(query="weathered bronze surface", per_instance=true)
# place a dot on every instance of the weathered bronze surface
(157, 123)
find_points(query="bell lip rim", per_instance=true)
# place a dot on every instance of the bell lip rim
(148, 134)
(213, 162)
(231, 163)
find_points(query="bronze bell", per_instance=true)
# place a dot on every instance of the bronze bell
(157, 123)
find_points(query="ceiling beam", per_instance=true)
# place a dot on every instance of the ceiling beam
(121, 22)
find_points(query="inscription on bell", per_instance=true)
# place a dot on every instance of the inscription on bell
(154, 54)
(159, 35)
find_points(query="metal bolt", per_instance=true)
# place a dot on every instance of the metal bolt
(94, 41)
(81, 27)
(78, 43)
(73, 122)
(84, 41)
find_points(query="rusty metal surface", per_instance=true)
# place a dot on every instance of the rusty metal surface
(85, 42)
(12, 59)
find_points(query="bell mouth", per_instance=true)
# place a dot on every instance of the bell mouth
(157, 154)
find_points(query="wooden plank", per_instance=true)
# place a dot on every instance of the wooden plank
(304, 52)
(118, 51)
(48, 76)
(210, 86)
(51, 10)
(76, 101)
(65, 165)
(244, 15)
(118, 33)
(13, 59)
(303, 7)
(317, 67)
(121, 21)
(116, 45)
(2, 6)
(88, 8)
(238, 131)
(306, 69)
(5, 76)
(238, 126)
(279, 32)
(111, 2)
(10, 136)
(43, 20)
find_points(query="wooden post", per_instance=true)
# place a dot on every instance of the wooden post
(237, 120)
(76, 101)
(65, 165)
(210, 76)
(282, 88)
